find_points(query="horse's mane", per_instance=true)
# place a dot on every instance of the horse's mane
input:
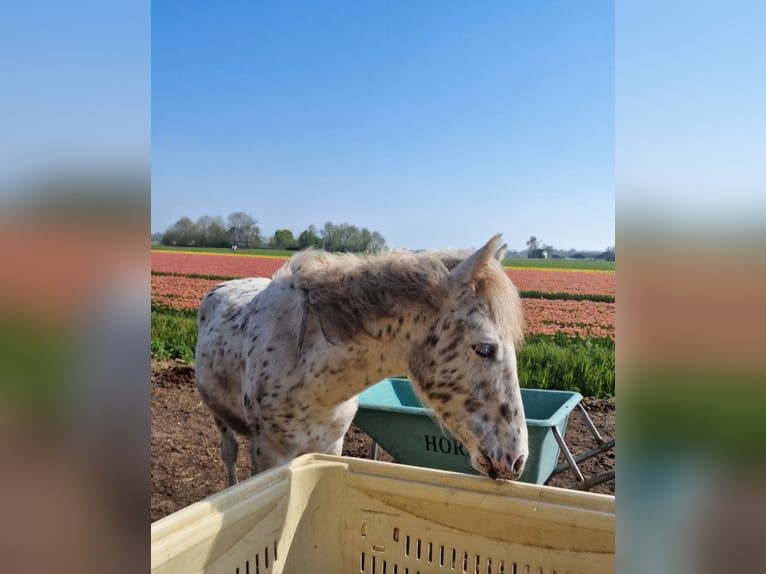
(345, 292)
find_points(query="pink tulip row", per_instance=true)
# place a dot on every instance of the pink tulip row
(554, 281)
(582, 318)
(215, 265)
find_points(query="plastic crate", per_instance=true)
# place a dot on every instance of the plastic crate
(392, 415)
(325, 514)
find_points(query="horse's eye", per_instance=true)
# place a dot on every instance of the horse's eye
(485, 350)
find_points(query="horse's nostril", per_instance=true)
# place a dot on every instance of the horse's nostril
(518, 465)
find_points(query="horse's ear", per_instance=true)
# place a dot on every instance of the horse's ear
(470, 268)
(500, 253)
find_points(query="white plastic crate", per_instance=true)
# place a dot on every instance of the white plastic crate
(324, 514)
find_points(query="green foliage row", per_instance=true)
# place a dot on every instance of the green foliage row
(193, 276)
(568, 363)
(560, 362)
(226, 250)
(566, 296)
(174, 333)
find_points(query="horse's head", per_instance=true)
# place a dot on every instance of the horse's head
(464, 368)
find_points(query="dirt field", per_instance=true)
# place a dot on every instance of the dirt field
(186, 464)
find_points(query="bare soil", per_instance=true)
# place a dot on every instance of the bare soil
(186, 463)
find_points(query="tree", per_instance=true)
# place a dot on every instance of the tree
(183, 233)
(243, 230)
(377, 243)
(345, 237)
(212, 231)
(309, 238)
(607, 255)
(534, 251)
(283, 239)
(331, 237)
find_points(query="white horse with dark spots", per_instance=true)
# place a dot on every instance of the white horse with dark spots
(282, 360)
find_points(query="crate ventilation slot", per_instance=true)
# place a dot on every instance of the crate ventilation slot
(439, 557)
(262, 563)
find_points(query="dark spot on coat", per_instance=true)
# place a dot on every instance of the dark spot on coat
(482, 387)
(505, 411)
(450, 347)
(451, 357)
(442, 397)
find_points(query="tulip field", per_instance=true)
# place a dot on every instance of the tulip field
(569, 314)
(575, 302)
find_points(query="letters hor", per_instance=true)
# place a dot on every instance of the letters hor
(444, 445)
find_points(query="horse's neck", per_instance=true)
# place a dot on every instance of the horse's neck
(352, 367)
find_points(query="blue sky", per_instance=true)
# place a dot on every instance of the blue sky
(436, 124)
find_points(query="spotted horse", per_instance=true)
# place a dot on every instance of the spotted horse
(282, 360)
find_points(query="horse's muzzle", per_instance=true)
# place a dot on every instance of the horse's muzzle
(501, 469)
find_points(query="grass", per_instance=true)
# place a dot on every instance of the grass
(578, 264)
(174, 333)
(568, 363)
(560, 362)
(226, 251)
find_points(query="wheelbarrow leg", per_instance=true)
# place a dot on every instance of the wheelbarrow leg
(589, 423)
(568, 456)
(571, 461)
(374, 451)
(584, 456)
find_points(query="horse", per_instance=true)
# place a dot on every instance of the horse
(282, 360)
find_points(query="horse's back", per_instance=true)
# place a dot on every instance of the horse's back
(222, 317)
(228, 297)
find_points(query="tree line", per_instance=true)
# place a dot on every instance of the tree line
(538, 250)
(240, 231)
